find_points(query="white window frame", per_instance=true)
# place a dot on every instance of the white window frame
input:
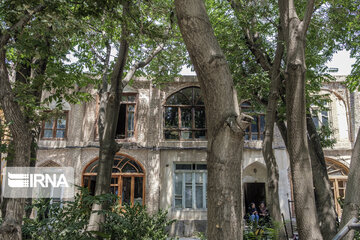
(193, 185)
(315, 112)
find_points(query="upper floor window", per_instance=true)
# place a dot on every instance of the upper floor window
(320, 117)
(126, 121)
(55, 127)
(184, 115)
(257, 127)
(190, 185)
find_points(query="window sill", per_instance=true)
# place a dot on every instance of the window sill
(184, 144)
(253, 144)
(53, 139)
(190, 209)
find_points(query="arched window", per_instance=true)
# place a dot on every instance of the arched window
(184, 115)
(337, 173)
(127, 179)
(257, 127)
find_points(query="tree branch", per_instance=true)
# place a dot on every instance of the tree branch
(106, 67)
(261, 57)
(93, 50)
(307, 16)
(142, 64)
(284, 16)
(292, 10)
(17, 27)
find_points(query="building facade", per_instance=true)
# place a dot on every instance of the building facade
(162, 163)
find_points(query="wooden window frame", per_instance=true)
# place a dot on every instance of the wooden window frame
(315, 112)
(193, 186)
(54, 128)
(249, 110)
(126, 116)
(119, 176)
(179, 128)
(135, 103)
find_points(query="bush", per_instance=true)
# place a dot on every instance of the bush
(69, 220)
(266, 229)
(129, 223)
(60, 220)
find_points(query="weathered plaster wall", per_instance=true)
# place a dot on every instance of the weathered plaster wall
(158, 156)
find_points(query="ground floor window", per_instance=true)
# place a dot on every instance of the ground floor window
(127, 179)
(338, 185)
(338, 174)
(190, 185)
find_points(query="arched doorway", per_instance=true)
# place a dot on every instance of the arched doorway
(254, 179)
(127, 179)
(338, 174)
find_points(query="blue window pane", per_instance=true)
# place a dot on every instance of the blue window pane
(48, 133)
(49, 124)
(316, 121)
(61, 123)
(324, 118)
(60, 133)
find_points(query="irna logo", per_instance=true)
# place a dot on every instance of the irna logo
(18, 180)
(38, 182)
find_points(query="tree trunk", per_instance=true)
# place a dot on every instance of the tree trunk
(301, 171)
(273, 70)
(352, 195)
(225, 127)
(273, 200)
(21, 134)
(324, 198)
(295, 35)
(107, 124)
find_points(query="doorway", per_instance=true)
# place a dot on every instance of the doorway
(254, 192)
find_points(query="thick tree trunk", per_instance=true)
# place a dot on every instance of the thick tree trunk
(352, 195)
(21, 134)
(301, 172)
(273, 70)
(324, 198)
(107, 123)
(225, 128)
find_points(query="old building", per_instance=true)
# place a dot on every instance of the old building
(162, 163)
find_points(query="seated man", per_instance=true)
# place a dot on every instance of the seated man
(253, 213)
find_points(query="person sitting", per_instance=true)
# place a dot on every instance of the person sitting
(254, 216)
(263, 212)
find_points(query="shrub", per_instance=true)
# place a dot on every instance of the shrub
(69, 220)
(129, 223)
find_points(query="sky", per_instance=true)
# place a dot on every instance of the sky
(341, 60)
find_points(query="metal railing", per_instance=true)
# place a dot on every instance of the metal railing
(353, 224)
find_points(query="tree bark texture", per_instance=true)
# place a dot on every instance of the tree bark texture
(273, 70)
(324, 198)
(352, 195)
(301, 172)
(20, 131)
(267, 150)
(21, 134)
(107, 124)
(109, 113)
(224, 124)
